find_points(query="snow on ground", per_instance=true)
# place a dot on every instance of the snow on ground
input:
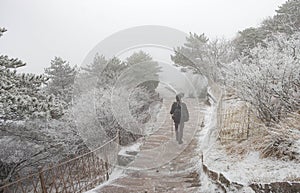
(205, 138)
(156, 110)
(116, 173)
(204, 142)
(131, 148)
(250, 168)
(297, 144)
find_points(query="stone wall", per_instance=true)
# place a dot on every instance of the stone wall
(280, 187)
(230, 186)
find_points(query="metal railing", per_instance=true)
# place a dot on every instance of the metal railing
(233, 121)
(75, 175)
(233, 124)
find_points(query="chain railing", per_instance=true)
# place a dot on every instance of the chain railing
(75, 175)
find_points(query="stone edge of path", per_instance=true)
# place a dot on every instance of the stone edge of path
(227, 185)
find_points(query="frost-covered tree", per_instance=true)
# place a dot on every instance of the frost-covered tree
(110, 74)
(269, 77)
(29, 144)
(143, 67)
(61, 79)
(286, 20)
(248, 39)
(87, 76)
(91, 75)
(2, 30)
(192, 53)
(106, 72)
(138, 57)
(100, 118)
(220, 53)
(112, 104)
(96, 67)
(139, 100)
(98, 79)
(203, 56)
(21, 95)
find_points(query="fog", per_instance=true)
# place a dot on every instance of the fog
(40, 30)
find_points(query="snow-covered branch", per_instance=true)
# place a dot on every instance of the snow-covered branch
(269, 77)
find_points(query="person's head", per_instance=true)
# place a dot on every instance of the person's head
(179, 97)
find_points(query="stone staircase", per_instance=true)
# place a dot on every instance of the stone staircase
(162, 165)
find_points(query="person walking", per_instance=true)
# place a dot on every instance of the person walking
(180, 114)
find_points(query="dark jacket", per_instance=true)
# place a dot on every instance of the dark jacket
(184, 111)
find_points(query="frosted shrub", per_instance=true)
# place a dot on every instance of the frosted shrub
(269, 77)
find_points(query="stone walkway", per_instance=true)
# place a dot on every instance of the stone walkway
(162, 165)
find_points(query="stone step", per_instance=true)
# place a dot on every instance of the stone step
(162, 165)
(124, 160)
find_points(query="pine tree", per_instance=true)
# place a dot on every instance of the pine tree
(202, 56)
(87, 76)
(142, 67)
(96, 67)
(2, 30)
(249, 39)
(62, 77)
(138, 57)
(110, 74)
(287, 19)
(193, 53)
(20, 94)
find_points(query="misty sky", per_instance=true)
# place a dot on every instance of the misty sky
(39, 30)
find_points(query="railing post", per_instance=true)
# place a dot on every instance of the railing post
(42, 181)
(119, 136)
(248, 124)
(106, 168)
